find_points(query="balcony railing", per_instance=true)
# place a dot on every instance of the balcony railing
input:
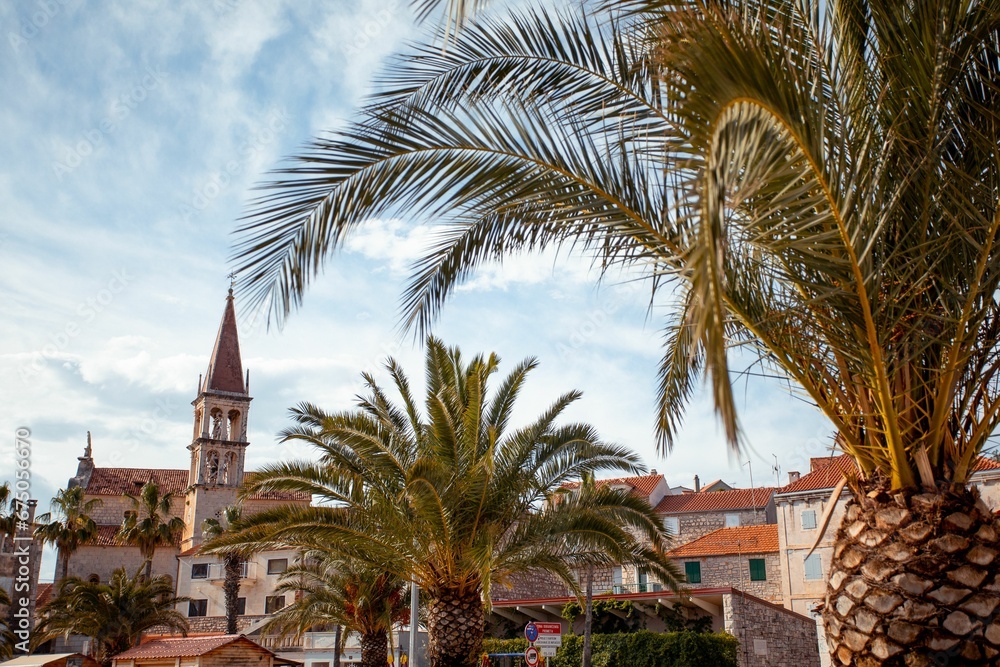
(650, 587)
(217, 571)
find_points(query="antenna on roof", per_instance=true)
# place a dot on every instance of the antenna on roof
(753, 495)
(777, 471)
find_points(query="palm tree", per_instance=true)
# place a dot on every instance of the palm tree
(232, 560)
(334, 591)
(816, 183)
(150, 524)
(8, 520)
(454, 500)
(7, 637)
(114, 614)
(68, 525)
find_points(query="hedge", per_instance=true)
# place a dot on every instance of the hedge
(637, 649)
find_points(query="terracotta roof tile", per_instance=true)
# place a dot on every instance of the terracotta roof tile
(44, 594)
(727, 541)
(641, 484)
(829, 470)
(715, 501)
(119, 481)
(184, 647)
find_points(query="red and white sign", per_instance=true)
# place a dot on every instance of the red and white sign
(549, 634)
(531, 656)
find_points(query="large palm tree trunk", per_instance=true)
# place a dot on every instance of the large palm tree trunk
(374, 649)
(231, 588)
(914, 580)
(454, 628)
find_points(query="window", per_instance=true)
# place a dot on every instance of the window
(94, 579)
(320, 664)
(616, 579)
(808, 519)
(199, 571)
(277, 565)
(273, 603)
(813, 567)
(241, 606)
(197, 608)
(672, 524)
(757, 570)
(732, 520)
(692, 570)
(642, 578)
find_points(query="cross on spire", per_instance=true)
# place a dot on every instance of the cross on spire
(232, 282)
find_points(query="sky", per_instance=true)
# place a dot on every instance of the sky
(131, 136)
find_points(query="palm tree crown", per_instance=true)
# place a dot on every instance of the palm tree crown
(113, 614)
(817, 183)
(68, 525)
(150, 523)
(456, 500)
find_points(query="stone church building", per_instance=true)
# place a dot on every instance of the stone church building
(211, 482)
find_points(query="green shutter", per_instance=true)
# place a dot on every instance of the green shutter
(757, 570)
(692, 570)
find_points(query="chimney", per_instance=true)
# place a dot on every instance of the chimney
(793, 476)
(653, 471)
(697, 484)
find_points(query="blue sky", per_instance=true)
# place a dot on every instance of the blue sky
(132, 134)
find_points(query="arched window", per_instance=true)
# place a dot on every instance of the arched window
(228, 475)
(234, 424)
(94, 579)
(212, 466)
(218, 424)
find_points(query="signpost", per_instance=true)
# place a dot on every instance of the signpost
(544, 639)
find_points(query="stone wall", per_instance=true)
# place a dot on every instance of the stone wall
(527, 586)
(698, 524)
(769, 635)
(734, 570)
(102, 561)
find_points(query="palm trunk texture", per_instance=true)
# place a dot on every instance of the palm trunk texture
(455, 629)
(914, 580)
(231, 589)
(374, 649)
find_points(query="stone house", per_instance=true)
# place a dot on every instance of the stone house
(745, 557)
(215, 651)
(689, 516)
(800, 506)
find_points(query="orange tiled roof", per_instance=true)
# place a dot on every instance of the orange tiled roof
(715, 501)
(641, 484)
(44, 594)
(119, 481)
(828, 470)
(185, 647)
(727, 541)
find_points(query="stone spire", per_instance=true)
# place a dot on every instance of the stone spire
(85, 467)
(225, 368)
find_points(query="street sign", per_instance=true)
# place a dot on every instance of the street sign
(549, 634)
(547, 651)
(531, 656)
(531, 632)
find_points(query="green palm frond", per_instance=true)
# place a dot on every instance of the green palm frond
(451, 497)
(816, 184)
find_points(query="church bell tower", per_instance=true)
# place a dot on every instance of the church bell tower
(218, 447)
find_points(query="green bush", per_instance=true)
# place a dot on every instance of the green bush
(516, 645)
(650, 649)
